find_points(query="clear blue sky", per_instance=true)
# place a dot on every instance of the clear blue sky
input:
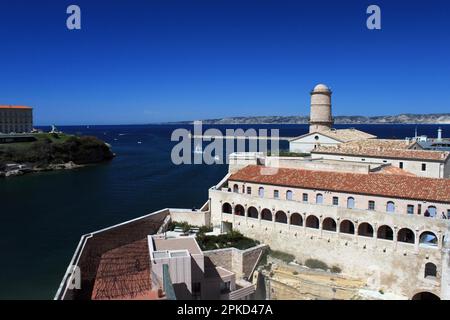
(166, 60)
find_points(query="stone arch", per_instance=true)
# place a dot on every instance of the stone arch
(365, 230)
(252, 212)
(296, 219)
(428, 238)
(405, 235)
(239, 210)
(280, 217)
(425, 295)
(312, 222)
(385, 232)
(266, 214)
(226, 208)
(329, 224)
(430, 270)
(346, 226)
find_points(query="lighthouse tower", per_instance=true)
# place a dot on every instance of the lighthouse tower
(320, 117)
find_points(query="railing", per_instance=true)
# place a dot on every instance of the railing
(242, 292)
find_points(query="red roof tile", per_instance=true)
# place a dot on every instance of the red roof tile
(377, 184)
(124, 273)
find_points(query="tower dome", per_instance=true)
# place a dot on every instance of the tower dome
(320, 117)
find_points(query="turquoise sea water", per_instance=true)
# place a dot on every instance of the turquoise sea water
(42, 216)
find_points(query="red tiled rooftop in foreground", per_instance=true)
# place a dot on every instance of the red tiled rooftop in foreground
(14, 107)
(124, 274)
(388, 185)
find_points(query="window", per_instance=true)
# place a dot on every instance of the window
(430, 212)
(424, 167)
(289, 195)
(410, 209)
(351, 203)
(448, 214)
(319, 198)
(305, 197)
(261, 192)
(316, 137)
(371, 205)
(390, 206)
(430, 270)
(400, 165)
(335, 201)
(225, 287)
(249, 190)
(276, 194)
(236, 188)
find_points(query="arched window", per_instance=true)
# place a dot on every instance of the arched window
(266, 214)
(428, 238)
(425, 296)
(239, 210)
(296, 219)
(405, 235)
(226, 208)
(385, 232)
(390, 206)
(261, 192)
(312, 222)
(430, 270)
(319, 198)
(347, 226)
(365, 230)
(430, 212)
(329, 224)
(236, 188)
(252, 212)
(289, 195)
(350, 202)
(280, 217)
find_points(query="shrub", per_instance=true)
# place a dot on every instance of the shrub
(295, 273)
(336, 269)
(283, 256)
(316, 264)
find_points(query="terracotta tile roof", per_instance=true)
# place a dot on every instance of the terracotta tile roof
(124, 273)
(402, 144)
(388, 185)
(342, 135)
(15, 107)
(361, 150)
(394, 170)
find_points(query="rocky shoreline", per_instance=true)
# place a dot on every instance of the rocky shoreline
(22, 169)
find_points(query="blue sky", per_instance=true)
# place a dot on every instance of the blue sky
(168, 60)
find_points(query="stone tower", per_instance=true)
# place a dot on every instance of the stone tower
(320, 117)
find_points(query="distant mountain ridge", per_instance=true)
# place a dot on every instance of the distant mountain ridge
(437, 118)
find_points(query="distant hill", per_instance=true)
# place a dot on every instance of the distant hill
(438, 118)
